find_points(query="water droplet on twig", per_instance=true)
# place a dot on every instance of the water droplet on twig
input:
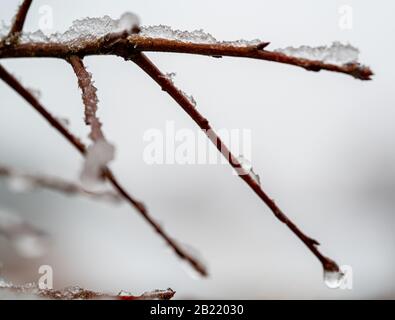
(333, 279)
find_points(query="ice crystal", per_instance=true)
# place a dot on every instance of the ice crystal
(171, 76)
(128, 21)
(94, 28)
(35, 92)
(190, 98)
(333, 279)
(337, 53)
(99, 154)
(246, 166)
(64, 121)
(196, 36)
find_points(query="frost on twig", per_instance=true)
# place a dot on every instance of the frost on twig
(98, 155)
(9, 290)
(101, 152)
(246, 168)
(337, 53)
(87, 29)
(77, 144)
(25, 182)
(27, 240)
(98, 27)
(247, 176)
(18, 22)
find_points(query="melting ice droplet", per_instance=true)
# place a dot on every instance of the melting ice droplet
(98, 156)
(190, 98)
(247, 167)
(333, 279)
(337, 53)
(171, 75)
(128, 21)
(35, 92)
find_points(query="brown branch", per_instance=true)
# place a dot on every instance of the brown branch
(131, 47)
(19, 20)
(28, 96)
(55, 184)
(253, 52)
(127, 45)
(167, 85)
(78, 293)
(90, 101)
(14, 84)
(89, 97)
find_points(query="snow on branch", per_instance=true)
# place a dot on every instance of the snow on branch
(19, 21)
(125, 38)
(32, 291)
(140, 207)
(104, 36)
(168, 86)
(101, 152)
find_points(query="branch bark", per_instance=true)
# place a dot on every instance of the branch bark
(167, 85)
(125, 45)
(131, 47)
(78, 293)
(181, 253)
(19, 21)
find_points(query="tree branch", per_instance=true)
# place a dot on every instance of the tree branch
(125, 45)
(19, 21)
(132, 47)
(167, 85)
(14, 84)
(89, 97)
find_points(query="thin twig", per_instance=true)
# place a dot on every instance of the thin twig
(89, 97)
(90, 101)
(118, 44)
(14, 84)
(55, 184)
(167, 85)
(253, 51)
(131, 47)
(19, 20)
(78, 293)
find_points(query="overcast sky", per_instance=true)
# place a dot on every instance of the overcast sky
(322, 143)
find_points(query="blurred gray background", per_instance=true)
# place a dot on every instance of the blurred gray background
(323, 144)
